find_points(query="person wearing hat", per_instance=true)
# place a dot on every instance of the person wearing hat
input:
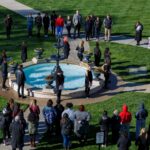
(20, 77)
(59, 84)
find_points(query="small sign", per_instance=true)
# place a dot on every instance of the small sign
(99, 137)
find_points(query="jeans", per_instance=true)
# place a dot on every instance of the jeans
(66, 141)
(59, 31)
(139, 125)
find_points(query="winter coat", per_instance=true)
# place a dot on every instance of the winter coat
(125, 115)
(4, 69)
(8, 22)
(17, 132)
(66, 49)
(23, 53)
(138, 32)
(142, 143)
(53, 19)
(59, 81)
(29, 23)
(77, 19)
(46, 21)
(107, 23)
(88, 79)
(104, 123)
(115, 123)
(38, 21)
(59, 22)
(66, 127)
(123, 143)
(20, 77)
(142, 113)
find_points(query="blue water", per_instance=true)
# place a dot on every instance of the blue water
(74, 75)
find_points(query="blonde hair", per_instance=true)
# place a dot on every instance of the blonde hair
(143, 132)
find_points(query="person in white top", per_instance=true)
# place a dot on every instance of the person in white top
(138, 32)
(69, 111)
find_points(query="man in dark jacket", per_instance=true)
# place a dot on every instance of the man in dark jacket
(38, 23)
(4, 74)
(20, 77)
(140, 116)
(8, 24)
(59, 84)
(23, 52)
(97, 55)
(46, 22)
(17, 133)
(53, 19)
(104, 127)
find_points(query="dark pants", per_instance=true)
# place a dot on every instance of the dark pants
(66, 141)
(87, 35)
(106, 137)
(96, 60)
(87, 91)
(38, 30)
(77, 28)
(8, 30)
(4, 82)
(80, 56)
(68, 30)
(6, 132)
(58, 95)
(53, 29)
(50, 128)
(20, 148)
(106, 75)
(21, 86)
(45, 30)
(30, 32)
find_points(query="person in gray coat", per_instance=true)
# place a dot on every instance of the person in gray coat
(77, 20)
(81, 124)
(17, 132)
(20, 77)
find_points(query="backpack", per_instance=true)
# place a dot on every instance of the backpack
(50, 116)
(68, 127)
(2, 121)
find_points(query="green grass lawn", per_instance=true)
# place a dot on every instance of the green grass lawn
(132, 99)
(124, 13)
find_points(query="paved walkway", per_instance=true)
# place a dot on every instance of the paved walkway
(116, 86)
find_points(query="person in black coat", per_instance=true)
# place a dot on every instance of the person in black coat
(4, 74)
(38, 23)
(17, 133)
(66, 47)
(115, 126)
(68, 25)
(87, 28)
(123, 143)
(97, 55)
(104, 127)
(88, 82)
(138, 32)
(53, 19)
(20, 77)
(97, 28)
(59, 84)
(80, 50)
(8, 24)
(46, 22)
(24, 52)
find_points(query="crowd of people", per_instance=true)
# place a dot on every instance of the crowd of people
(68, 122)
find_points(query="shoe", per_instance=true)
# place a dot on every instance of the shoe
(23, 97)
(19, 96)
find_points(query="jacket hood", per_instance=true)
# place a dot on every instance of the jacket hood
(124, 108)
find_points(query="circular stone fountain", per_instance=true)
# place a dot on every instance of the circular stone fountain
(36, 84)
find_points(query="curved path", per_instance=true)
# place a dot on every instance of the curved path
(116, 86)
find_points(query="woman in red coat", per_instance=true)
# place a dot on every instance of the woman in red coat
(59, 25)
(125, 119)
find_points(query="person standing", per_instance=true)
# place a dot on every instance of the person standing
(92, 20)
(46, 21)
(32, 126)
(66, 130)
(88, 82)
(97, 28)
(4, 69)
(104, 127)
(115, 126)
(20, 77)
(80, 50)
(140, 116)
(59, 26)
(81, 124)
(49, 115)
(38, 23)
(59, 84)
(53, 19)
(8, 21)
(29, 25)
(68, 25)
(97, 55)
(87, 28)
(17, 133)
(125, 119)
(24, 52)
(108, 26)
(138, 32)
(142, 141)
(66, 48)
(123, 142)
(77, 21)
